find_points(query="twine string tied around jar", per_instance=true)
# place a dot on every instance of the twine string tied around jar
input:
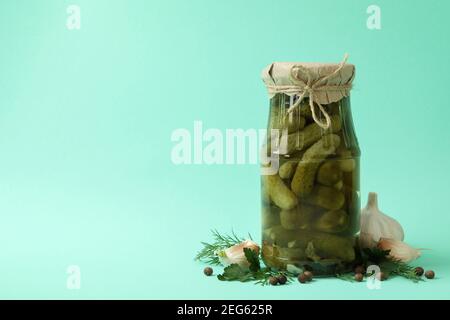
(302, 89)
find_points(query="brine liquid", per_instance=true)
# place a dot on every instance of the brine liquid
(316, 230)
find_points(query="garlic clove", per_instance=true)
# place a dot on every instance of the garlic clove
(235, 254)
(399, 250)
(377, 224)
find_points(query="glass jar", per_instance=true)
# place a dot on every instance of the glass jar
(311, 200)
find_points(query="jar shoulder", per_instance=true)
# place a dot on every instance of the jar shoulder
(299, 129)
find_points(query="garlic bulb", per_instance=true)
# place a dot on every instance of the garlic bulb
(375, 224)
(399, 250)
(235, 254)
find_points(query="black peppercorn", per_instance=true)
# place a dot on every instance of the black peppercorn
(419, 271)
(208, 271)
(282, 279)
(308, 275)
(359, 277)
(382, 276)
(273, 281)
(302, 278)
(360, 269)
(429, 274)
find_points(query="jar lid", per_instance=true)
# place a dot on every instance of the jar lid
(328, 82)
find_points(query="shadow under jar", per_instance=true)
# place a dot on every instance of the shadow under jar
(310, 197)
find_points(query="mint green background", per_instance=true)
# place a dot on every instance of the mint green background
(86, 117)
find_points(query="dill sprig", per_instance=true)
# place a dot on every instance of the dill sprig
(406, 271)
(255, 272)
(346, 277)
(386, 263)
(209, 252)
(262, 278)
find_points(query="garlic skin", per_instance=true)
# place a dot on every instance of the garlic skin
(235, 254)
(366, 240)
(399, 250)
(376, 225)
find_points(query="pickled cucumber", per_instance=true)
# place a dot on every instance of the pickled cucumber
(339, 185)
(326, 197)
(297, 218)
(329, 173)
(332, 221)
(280, 119)
(347, 163)
(292, 255)
(310, 211)
(326, 245)
(270, 256)
(303, 180)
(305, 109)
(287, 169)
(278, 192)
(309, 135)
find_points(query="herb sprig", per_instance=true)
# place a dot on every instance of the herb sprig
(209, 252)
(260, 275)
(387, 265)
(345, 276)
(400, 269)
(254, 272)
(234, 272)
